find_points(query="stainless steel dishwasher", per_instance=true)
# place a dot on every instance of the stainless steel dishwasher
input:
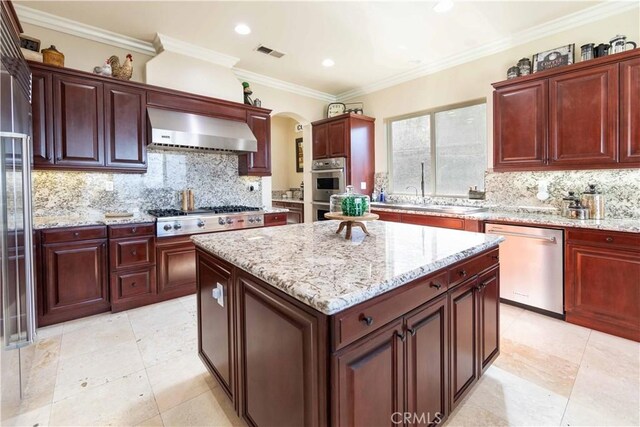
(531, 267)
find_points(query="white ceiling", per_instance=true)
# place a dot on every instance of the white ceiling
(369, 41)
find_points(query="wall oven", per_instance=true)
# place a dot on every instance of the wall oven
(319, 209)
(328, 178)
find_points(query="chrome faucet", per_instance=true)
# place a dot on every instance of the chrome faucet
(414, 188)
(421, 180)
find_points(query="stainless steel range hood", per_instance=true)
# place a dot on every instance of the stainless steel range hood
(183, 130)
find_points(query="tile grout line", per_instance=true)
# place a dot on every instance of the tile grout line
(584, 350)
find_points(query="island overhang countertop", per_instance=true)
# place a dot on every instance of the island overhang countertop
(318, 267)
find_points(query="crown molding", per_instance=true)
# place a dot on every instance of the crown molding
(164, 43)
(586, 16)
(78, 29)
(283, 85)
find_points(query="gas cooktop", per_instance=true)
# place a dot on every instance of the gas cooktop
(175, 222)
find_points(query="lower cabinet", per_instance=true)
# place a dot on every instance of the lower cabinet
(74, 277)
(215, 308)
(431, 220)
(176, 265)
(283, 363)
(296, 211)
(274, 219)
(602, 281)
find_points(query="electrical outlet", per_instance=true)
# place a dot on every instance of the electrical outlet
(108, 185)
(363, 185)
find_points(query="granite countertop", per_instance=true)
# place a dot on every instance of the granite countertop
(43, 222)
(275, 210)
(318, 267)
(628, 225)
(288, 200)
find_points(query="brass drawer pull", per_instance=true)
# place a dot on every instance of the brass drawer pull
(366, 319)
(609, 239)
(462, 273)
(437, 286)
(401, 336)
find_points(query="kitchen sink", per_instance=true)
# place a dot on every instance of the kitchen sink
(457, 210)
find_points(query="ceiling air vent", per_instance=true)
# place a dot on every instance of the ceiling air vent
(269, 51)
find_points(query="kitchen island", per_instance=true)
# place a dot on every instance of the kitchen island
(302, 327)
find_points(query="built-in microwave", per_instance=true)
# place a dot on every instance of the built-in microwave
(328, 178)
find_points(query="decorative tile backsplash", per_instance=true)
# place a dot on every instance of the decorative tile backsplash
(213, 177)
(517, 190)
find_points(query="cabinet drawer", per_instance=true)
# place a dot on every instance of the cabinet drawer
(472, 267)
(127, 253)
(607, 238)
(433, 221)
(74, 234)
(131, 230)
(275, 219)
(364, 318)
(132, 284)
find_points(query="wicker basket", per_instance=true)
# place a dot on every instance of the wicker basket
(52, 56)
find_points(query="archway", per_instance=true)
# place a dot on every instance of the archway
(283, 158)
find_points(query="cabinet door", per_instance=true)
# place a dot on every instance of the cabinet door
(630, 111)
(176, 263)
(42, 117)
(602, 290)
(520, 126)
(388, 216)
(489, 312)
(75, 281)
(583, 120)
(433, 221)
(258, 163)
(427, 362)
(125, 127)
(215, 323)
(320, 141)
(368, 379)
(338, 134)
(79, 122)
(281, 359)
(464, 344)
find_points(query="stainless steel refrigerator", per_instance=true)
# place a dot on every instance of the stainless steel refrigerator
(16, 234)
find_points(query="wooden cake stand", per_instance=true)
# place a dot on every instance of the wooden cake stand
(350, 221)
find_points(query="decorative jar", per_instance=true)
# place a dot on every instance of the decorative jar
(350, 203)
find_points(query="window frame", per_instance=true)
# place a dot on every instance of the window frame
(432, 142)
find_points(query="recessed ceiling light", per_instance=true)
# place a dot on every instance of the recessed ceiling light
(243, 29)
(328, 62)
(443, 6)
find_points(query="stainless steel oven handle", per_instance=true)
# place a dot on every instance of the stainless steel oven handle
(528, 236)
(328, 171)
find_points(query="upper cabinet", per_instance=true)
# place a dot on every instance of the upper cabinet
(258, 163)
(582, 116)
(350, 136)
(82, 121)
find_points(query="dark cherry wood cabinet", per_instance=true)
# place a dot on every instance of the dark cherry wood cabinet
(464, 339)
(520, 125)
(369, 379)
(630, 111)
(275, 219)
(282, 363)
(79, 122)
(176, 265)
(83, 121)
(216, 345)
(583, 109)
(416, 349)
(258, 163)
(431, 220)
(602, 281)
(132, 261)
(296, 211)
(428, 362)
(350, 136)
(582, 116)
(73, 274)
(42, 117)
(125, 127)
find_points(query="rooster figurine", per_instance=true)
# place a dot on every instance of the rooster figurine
(124, 71)
(103, 70)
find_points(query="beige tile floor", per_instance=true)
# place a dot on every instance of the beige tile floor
(140, 367)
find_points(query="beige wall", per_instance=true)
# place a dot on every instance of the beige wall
(82, 54)
(473, 80)
(283, 154)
